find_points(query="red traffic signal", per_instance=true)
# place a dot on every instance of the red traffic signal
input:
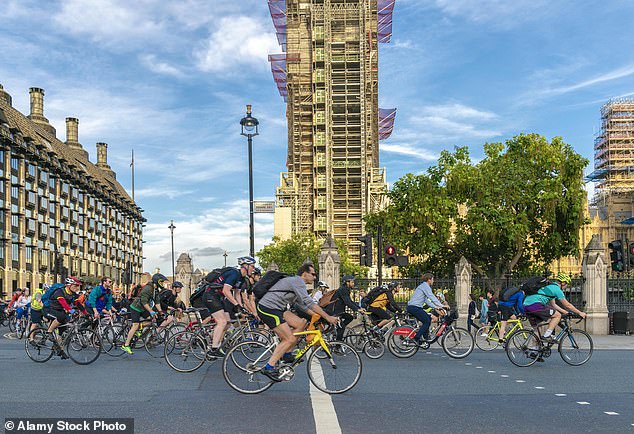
(390, 250)
(390, 256)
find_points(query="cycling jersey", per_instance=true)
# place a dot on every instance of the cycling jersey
(545, 294)
(166, 299)
(100, 298)
(62, 299)
(36, 300)
(146, 296)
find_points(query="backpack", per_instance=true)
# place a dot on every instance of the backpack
(134, 293)
(534, 284)
(327, 298)
(267, 281)
(372, 295)
(207, 282)
(508, 292)
(46, 298)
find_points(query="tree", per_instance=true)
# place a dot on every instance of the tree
(519, 208)
(290, 254)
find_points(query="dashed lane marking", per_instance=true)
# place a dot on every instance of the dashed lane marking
(560, 394)
(468, 364)
(583, 403)
(539, 387)
(504, 376)
(611, 413)
(491, 372)
(520, 381)
(478, 367)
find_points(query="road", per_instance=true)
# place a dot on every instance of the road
(483, 393)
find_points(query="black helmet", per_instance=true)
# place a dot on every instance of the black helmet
(177, 284)
(158, 278)
(392, 285)
(348, 277)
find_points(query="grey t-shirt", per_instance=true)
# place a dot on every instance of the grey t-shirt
(288, 291)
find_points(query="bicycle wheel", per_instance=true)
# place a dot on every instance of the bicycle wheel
(522, 348)
(374, 348)
(337, 373)
(83, 346)
(243, 374)
(487, 339)
(13, 321)
(38, 346)
(113, 337)
(457, 343)
(154, 343)
(356, 341)
(185, 351)
(173, 329)
(576, 347)
(402, 345)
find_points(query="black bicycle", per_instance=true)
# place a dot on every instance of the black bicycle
(575, 346)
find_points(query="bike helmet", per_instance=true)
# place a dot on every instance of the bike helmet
(257, 271)
(321, 284)
(246, 260)
(564, 278)
(348, 277)
(72, 280)
(158, 278)
(177, 284)
(392, 285)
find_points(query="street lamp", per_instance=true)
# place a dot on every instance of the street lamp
(225, 255)
(171, 227)
(249, 129)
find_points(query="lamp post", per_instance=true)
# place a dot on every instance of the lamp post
(171, 227)
(249, 128)
(225, 255)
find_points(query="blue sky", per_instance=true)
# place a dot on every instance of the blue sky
(171, 80)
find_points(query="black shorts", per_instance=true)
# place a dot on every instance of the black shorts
(36, 316)
(378, 313)
(199, 303)
(228, 307)
(506, 312)
(537, 313)
(214, 303)
(54, 314)
(271, 317)
(136, 316)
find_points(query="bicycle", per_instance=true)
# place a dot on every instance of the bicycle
(366, 339)
(79, 340)
(487, 337)
(333, 367)
(456, 342)
(525, 347)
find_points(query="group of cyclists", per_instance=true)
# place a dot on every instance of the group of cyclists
(287, 307)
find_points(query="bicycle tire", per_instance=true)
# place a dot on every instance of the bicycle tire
(356, 341)
(483, 340)
(185, 351)
(83, 346)
(114, 337)
(457, 343)
(574, 338)
(401, 346)
(518, 348)
(243, 375)
(337, 373)
(12, 323)
(374, 348)
(38, 346)
(153, 342)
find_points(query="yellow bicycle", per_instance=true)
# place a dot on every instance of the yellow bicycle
(487, 337)
(333, 367)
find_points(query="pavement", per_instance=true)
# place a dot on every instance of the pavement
(427, 392)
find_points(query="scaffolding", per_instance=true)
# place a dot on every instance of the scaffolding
(330, 85)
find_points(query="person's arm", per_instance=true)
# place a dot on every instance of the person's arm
(316, 310)
(431, 297)
(227, 291)
(392, 303)
(67, 307)
(568, 305)
(345, 296)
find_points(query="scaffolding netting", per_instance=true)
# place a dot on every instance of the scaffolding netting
(278, 68)
(385, 8)
(386, 122)
(277, 8)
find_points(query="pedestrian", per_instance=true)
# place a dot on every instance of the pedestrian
(484, 310)
(473, 313)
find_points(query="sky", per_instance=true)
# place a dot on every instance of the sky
(170, 80)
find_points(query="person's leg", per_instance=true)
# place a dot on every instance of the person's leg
(554, 320)
(220, 316)
(287, 342)
(344, 319)
(425, 320)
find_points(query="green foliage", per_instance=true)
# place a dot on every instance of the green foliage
(290, 254)
(517, 209)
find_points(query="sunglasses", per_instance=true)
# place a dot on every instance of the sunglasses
(314, 274)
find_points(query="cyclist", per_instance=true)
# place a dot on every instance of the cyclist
(220, 300)
(63, 302)
(100, 298)
(16, 295)
(543, 307)
(274, 312)
(36, 308)
(22, 307)
(382, 303)
(319, 291)
(338, 303)
(246, 290)
(167, 301)
(510, 308)
(423, 294)
(143, 307)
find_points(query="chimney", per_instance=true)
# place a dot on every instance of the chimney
(102, 158)
(37, 109)
(72, 136)
(4, 96)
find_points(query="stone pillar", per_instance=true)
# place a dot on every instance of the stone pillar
(273, 266)
(595, 289)
(463, 288)
(329, 264)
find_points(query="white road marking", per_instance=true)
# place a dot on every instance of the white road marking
(539, 387)
(520, 381)
(583, 403)
(478, 367)
(428, 352)
(611, 413)
(468, 364)
(504, 376)
(326, 421)
(560, 394)
(491, 372)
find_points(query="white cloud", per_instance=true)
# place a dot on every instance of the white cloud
(409, 150)
(458, 111)
(499, 13)
(615, 74)
(155, 65)
(236, 41)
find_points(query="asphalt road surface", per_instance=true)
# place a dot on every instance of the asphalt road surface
(429, 392)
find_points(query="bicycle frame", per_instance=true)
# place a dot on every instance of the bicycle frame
(316, 340)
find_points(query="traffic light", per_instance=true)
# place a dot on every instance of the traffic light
(630, 254)
(365, 250)
(390, 255)
(616, 256)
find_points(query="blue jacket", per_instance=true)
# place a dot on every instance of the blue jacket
(99, 298)
(516, 301)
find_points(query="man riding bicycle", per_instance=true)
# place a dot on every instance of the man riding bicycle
(274, 312)
(100, 298)
(61, 303)
(543, 305)
(423, 295)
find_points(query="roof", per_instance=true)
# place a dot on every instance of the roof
(104, 180)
